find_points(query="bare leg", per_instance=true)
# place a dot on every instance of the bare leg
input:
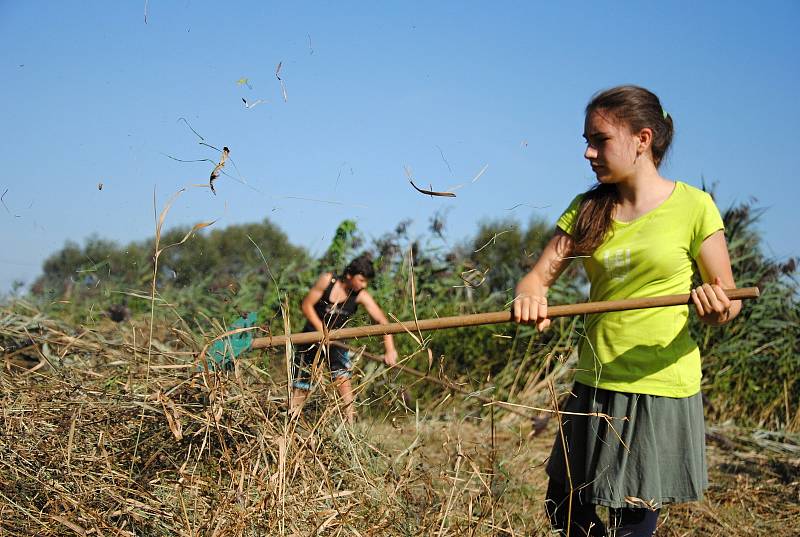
(296, 401)
(345, 390)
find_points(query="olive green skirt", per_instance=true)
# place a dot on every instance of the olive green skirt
(655, 456)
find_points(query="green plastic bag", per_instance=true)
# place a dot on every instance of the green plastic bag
(221, 354)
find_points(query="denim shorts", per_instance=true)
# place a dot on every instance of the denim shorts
(337, 358)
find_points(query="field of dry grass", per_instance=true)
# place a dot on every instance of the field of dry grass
(104, 432)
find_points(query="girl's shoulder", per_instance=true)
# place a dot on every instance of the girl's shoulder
(324, 280)
(690, 196)
(362, 296)
(692, 192)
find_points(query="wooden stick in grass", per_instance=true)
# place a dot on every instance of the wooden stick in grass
(494, 317)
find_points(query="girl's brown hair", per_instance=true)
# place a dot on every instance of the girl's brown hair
(637, 108)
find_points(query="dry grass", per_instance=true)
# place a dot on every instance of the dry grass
(98, 439)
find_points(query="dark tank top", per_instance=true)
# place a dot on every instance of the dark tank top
(333, 315)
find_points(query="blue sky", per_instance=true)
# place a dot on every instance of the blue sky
(91, 94)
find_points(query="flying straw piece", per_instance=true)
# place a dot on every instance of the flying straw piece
(202, 141)
(330, 202)
(492, 240)
(432, 192)
(252, 104)
(190, 127)
(473, 277)
(444, 159)
(6, 206)
(453, 188)
(526, 205)
(187, 160)
(217, 169)
(278, 76)
(426, 192)
(480, 173)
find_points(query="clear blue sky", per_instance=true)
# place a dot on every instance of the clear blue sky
(91, 94)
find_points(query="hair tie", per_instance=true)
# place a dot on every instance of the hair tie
(664, 113)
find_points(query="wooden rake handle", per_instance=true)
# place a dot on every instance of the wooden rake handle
(494, 317)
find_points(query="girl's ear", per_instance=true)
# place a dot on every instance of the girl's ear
(645, 139)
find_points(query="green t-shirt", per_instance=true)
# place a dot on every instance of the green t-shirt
(650, 350)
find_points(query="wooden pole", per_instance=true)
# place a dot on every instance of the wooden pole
(495, 317)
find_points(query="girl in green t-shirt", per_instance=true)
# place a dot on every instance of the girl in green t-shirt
(638, 234)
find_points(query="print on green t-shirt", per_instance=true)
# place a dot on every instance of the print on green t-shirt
(646, 351)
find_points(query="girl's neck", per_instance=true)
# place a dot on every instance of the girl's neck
(643, 188)
(342, 281)
(641, 194)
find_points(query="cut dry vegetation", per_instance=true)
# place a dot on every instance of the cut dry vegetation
(100, 435)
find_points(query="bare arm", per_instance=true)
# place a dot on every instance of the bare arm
(530, 302)
(714, 262)
(375, 311)
(313, 296)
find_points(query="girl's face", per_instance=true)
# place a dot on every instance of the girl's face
(611, 147)
(357, 282)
